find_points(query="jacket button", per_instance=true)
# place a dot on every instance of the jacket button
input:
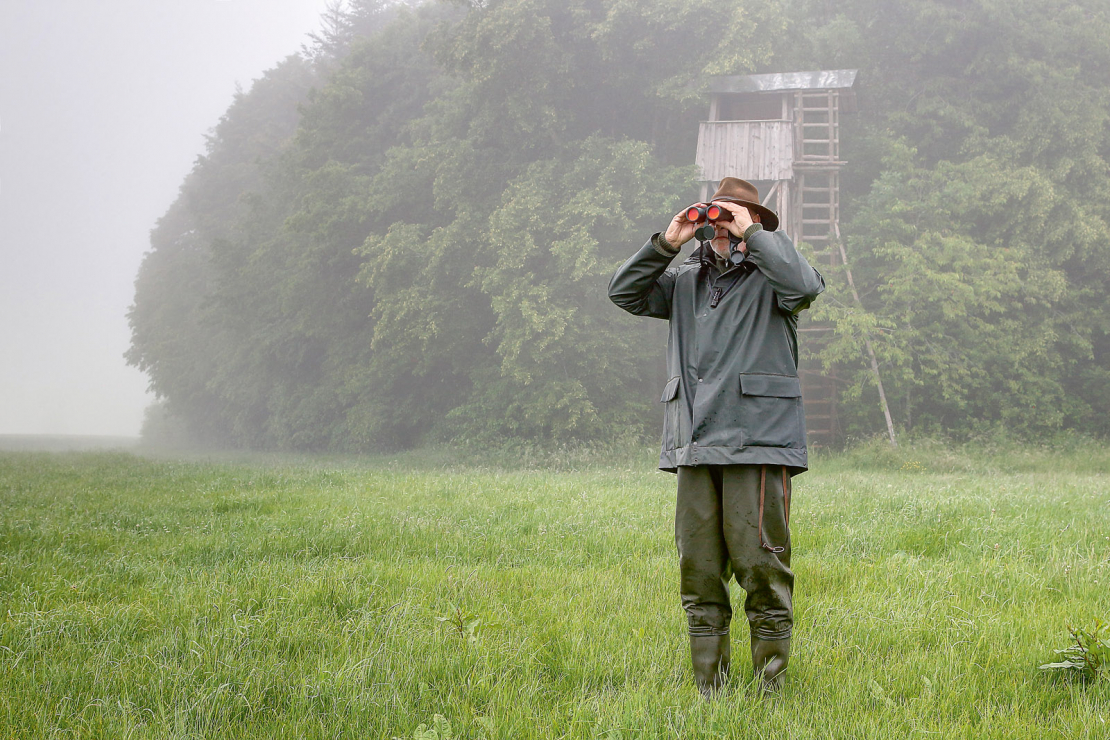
(699, 380)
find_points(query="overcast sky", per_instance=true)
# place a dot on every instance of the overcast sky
(103, 109)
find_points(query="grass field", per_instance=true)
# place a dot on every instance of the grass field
(327, 598)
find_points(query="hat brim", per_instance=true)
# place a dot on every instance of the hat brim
(768, 219)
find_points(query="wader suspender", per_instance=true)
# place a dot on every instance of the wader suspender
(786, 504)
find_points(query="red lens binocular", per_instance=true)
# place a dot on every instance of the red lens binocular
(708, 213)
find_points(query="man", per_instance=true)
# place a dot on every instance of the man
(734, 427)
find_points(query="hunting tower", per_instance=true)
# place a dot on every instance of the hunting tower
(781, 132)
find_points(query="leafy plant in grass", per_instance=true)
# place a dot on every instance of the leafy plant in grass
(440, 730)
(1089, 657)
(466, 624)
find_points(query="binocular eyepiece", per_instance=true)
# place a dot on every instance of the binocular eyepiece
(709, 213)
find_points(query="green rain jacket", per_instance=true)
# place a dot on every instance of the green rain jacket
(734, 396)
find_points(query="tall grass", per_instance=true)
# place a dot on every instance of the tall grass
(155, 598)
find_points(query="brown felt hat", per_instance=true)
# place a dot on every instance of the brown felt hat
(743, 192)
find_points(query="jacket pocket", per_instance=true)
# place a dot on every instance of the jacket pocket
(670, 416)
(771, 413)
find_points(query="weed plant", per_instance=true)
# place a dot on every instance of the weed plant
(1089, 654)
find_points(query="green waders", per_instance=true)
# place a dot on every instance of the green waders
(720, 532)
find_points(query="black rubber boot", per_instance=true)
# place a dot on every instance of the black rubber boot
(711, 655)
(769, 659)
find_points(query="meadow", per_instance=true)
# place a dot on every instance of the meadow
(536, 597)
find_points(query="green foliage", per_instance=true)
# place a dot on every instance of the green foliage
(440, 730)
(428, 255)
(968, 321)
(405, 234)
(1089, 657)
(569, 366)
(977, 208)
(174, 337)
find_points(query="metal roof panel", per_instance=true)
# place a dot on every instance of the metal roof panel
(782, 81)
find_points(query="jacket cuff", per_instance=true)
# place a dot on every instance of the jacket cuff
(751, 230)
(662, 246)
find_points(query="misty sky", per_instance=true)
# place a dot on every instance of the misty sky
(103, 108)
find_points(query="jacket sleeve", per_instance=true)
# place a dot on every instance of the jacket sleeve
(643, 285)
(795, 282)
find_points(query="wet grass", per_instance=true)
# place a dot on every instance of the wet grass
(359, 598)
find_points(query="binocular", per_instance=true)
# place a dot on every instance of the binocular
(707, 212)
(710, 213)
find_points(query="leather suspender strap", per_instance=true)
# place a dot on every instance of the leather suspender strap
(762, 490)
(786, 497)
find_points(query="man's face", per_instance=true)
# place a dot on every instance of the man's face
(720, 238)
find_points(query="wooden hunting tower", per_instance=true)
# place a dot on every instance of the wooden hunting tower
(781, 132)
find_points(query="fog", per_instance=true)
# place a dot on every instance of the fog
(103, 108)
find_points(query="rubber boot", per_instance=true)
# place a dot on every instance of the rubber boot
(711, 655)
(769, 659)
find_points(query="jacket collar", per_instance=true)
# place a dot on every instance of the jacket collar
(705, 256)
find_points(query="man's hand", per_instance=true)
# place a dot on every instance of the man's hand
(681, 229)
(741, 218)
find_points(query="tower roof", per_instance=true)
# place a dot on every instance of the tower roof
(829, 79)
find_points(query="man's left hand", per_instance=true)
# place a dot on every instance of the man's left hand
(741, 218)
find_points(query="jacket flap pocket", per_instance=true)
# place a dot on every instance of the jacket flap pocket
(779, 386)
(670, 391)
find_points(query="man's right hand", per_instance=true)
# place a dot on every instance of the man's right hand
(681, 229)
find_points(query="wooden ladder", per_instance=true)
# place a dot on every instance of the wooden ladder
(816, 217)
